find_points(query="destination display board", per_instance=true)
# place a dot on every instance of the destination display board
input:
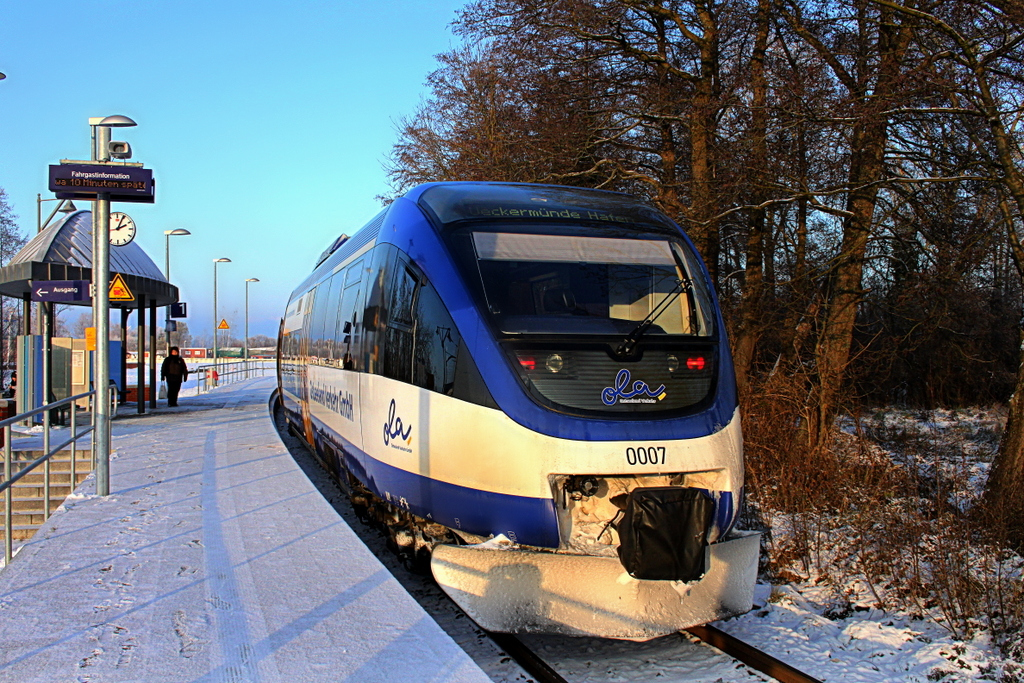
(85, 181)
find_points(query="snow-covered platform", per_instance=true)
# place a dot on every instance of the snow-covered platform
(213, 559)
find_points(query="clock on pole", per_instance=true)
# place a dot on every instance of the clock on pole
(122, 229)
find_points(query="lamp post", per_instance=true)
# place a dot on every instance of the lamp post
(167, 274)
(245, 345)
(101, 302)
(215, 320)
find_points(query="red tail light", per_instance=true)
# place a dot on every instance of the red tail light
(528, 362)
(695, 363)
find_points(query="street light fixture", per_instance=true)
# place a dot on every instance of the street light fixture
(101, 126)
(215, 320)
(65, 206)
(167, 274)
(246, 345)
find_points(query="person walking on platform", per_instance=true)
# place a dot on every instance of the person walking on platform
(174, 372)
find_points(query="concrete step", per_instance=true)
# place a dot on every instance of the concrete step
(38, 478)
(20, 532)
(22, 506)
(28, 493)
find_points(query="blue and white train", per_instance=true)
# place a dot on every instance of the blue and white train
(534, 383)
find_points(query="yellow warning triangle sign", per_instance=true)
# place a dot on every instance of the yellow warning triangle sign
(119, 289)
(223, 324)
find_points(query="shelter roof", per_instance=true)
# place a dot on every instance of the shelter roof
(63, 251)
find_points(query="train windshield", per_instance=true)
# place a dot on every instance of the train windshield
(579, 284)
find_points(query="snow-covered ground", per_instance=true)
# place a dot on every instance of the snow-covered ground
(798, 622)
(213, 559)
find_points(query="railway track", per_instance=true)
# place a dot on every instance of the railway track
(756, 659)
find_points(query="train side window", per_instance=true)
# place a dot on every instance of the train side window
(316, 328)
(347, 332)
(437, 344)
(354, 273)
(331, 318)
(347, 335)
(403, 290)
(396, 354)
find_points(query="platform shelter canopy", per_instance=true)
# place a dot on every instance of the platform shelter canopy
(63, 251)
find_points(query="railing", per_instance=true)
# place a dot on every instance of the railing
(10, 479)
(228, 372)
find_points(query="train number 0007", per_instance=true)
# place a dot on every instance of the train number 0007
(649, 455)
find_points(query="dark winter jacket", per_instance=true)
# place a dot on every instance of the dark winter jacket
(174, 366)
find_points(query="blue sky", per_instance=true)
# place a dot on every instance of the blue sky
(266, 124)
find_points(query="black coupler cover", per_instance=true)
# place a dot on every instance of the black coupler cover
(663, 533)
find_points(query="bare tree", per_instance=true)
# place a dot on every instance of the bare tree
(11, 242)
(867, 50)
(983, 45)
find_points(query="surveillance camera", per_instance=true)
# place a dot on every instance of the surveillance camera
(119, 150)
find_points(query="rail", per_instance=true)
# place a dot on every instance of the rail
(228, 372)
(750, 655)
(10, 478)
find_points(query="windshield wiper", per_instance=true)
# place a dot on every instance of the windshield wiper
(629, 344)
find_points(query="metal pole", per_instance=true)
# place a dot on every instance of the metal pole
(94, 361)
(140, 366)
(46, 413)
(152, 353)
(8, 517)
(101, 301)
(123, 360)
(215, 316)
(245, 344)
(27, 380)
(74, 444)
(167, 274)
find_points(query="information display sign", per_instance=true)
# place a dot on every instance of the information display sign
(85, 181)
(60, 290)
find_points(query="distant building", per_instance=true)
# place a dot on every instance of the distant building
(194, 353)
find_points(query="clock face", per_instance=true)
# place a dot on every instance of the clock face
(122, 229)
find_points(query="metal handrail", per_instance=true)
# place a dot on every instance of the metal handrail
(229, 371)
(48, 452)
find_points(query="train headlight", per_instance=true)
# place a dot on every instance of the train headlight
(673, 363)
(580, 486)
(588, 486)
(554, 363)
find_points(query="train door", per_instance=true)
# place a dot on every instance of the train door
(346, 331)
(303, 365)
(394, 436)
